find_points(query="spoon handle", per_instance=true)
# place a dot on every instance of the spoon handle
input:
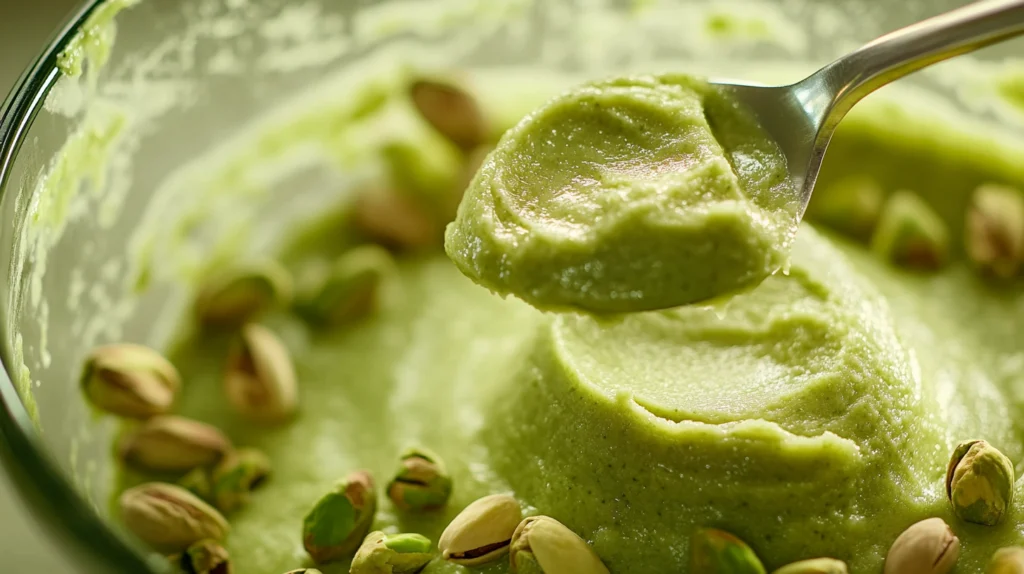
(917, 46)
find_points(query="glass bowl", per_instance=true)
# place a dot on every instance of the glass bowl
(103, 236)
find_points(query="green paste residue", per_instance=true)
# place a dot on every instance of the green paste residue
(626, 195)
(1011, 89)
(94, 40)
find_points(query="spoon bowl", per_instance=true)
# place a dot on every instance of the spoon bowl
(802, 117)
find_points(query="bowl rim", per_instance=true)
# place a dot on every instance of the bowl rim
(67, 517)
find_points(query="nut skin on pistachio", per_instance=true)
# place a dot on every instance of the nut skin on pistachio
(546, 545)
(170, 518)
(130, 380)
(237, 475)
(170, 443)
(421, 483)
(237, 295)
(482, 532)
(451, 110)
(350, 288)
(337, 524)
(714, 551)
(260, 380)
(204, 557)
(815, 566)
(910, 234)
(979, 482)
(392, 554)
(927, 547)
(1007, 561)
(994, 230)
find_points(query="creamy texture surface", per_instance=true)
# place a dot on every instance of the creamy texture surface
(628, 194)
(812, 415)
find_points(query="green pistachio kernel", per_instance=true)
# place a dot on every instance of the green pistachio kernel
(237, 476)
(715, 551)
(340, 520)
(392, 554)
(979, 482)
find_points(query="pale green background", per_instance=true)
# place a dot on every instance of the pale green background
(25, 25)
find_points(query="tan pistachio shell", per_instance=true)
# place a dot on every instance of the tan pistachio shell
(482, 532)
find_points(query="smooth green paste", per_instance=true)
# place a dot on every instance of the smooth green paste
(627, 195)
(812, 415)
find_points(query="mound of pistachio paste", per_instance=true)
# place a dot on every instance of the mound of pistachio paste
(812, 415)
(626, 195)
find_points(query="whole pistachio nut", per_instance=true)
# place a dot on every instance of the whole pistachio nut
(395, 220)
(715, 551)
(1007, 561)
(910, 234)
(170, 518)
(549, 546)
(392, 554)
(979, 482)
(171, 443)
(198, 482)
(421, 483)
(237, 475)
(351, 288)
(205, 557)
(338, 522)
(304, 571)
(815, 566)
(452, 110)
(851, 205)
(482, 532)
(130, 380)
(994, 230)
(237, 295)
(260, 378)
(927, 547)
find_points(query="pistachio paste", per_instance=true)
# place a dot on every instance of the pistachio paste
(173, 443)
(927, 547)
(260, 378)
(979, 482)
(340, 520)
(421, 483)
(383, 553)
(482, 532)
(130, 380)
(170, 518)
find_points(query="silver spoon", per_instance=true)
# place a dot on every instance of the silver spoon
(802, 117)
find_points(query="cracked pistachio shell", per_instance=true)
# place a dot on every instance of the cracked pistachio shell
(994, 230)
(168, 517)
(395, 220)
(171, 443)
(815, 566)
(421, 483)
(237, 475)
(543, 543)
(260, 379)
(351, 288)
(482, 532)
(1007, 561)
(337, 524)
(233, 297)
(715, 551)
(451, 110)
(910, 234)
(927, 547)
(130, 380)
(392, 554)
(979, 482)
(206, 557)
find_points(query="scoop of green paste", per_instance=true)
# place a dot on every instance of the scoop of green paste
(626, 195)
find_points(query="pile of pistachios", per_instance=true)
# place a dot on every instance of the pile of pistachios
(903, 229)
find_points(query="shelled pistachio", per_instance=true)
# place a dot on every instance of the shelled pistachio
(383, 553)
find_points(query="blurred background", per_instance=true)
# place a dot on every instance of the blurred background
(25, 26)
